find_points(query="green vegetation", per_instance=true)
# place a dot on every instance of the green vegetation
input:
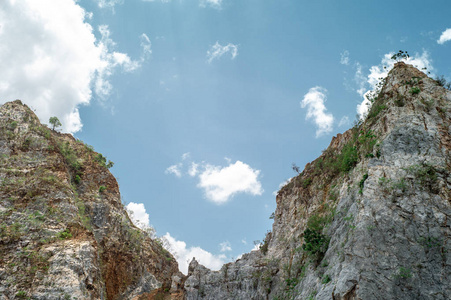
(441, 81)
(426, 176)
(102, 188)
(312, 295)
(403, 273)
(414, 90)
(101, 160)
(21, 294)
(83, 215)
(54, 122)
(362, 183)
(264, 246)
(315, 242)
(77, 179)
(401, 55)
(326, 279)
(70, 156)
(430, 242)
(64, 235)
(375, 110)
(12, 125)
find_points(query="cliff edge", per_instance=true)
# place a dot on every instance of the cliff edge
(369, 219)
(64, 233)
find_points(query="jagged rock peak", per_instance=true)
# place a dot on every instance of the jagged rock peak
(369, 219)
(64, 233)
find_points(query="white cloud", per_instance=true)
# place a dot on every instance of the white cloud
(211, 3)
(360, 79)
(108, 3)
(244, 241)
(112, 59)
(369, 85)
(222, 183)
(163, 1)
(225, 246)
(316, 110)
(216, 51)
(138, 215)
(51, 58)
(175, 169)
(344, 59)
(281, 185)
(344, 121)
(193, 170)
(445, 36)
(185, 155)
(219, 183)
(184, 255)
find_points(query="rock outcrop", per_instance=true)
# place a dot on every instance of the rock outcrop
(369, 219)
(64, 233)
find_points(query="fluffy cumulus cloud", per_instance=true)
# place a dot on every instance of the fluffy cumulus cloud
(369, 85)
(211, 3)
(446, 36)
(138, 215)
(217, 50)
(184, 254)
(51, 58)
(220, 183)
(316, 110)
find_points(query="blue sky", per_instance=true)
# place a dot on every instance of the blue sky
(204, 105)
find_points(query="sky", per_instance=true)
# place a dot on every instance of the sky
(204, 105)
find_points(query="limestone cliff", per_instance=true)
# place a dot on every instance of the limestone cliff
(64, 233)
(369, 219)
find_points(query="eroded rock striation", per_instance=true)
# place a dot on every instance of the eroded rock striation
(369, 219)
(64, 233)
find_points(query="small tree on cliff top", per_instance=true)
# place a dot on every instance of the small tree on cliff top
(55, 122)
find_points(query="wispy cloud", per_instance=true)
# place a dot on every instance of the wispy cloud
(220, 183)
(316, 110)
(216, 51)
(184, 254)
(175, 170)
(211, 3)
(163, 1)
(344, 121)
(344, 57)
(113, 59)
(445, 36)
(108, 3)
(225, 246)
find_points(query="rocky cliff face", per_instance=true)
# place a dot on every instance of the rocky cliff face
(64, 233)
(369, 219)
